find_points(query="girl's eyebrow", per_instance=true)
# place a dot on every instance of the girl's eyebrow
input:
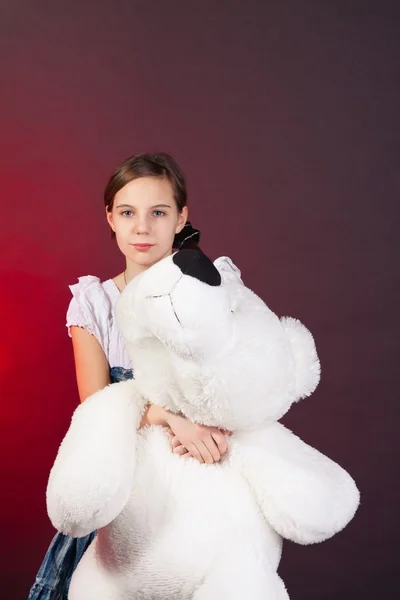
(156, 206)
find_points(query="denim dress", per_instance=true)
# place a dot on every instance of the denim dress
(64, 553)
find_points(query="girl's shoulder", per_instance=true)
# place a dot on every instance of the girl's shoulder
(92, 303)
(92, 290)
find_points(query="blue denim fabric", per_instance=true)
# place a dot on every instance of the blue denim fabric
(120, 374)
(64, 553)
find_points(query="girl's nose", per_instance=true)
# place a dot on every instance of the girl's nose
(141, 224)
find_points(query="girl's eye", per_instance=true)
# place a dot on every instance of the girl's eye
(159, 213)
(127, 213)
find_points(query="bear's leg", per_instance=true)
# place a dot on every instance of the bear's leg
(239, 575)
(90, 582)
(94, 586)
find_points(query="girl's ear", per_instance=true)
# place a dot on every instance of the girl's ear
(182, 218)
(109, 218)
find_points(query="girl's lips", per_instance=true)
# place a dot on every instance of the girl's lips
(142, 247)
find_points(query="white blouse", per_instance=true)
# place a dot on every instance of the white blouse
(93, 307)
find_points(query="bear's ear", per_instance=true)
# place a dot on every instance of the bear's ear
(307, 366)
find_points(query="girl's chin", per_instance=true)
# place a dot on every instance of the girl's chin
(149, 257)
(146, 258)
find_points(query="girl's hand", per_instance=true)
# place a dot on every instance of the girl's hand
(205, 444)
(155, 415)
(177, 446)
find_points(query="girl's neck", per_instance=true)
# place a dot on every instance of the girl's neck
(122, 279)
(133, 269)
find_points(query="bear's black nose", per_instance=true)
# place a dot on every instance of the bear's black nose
(197, 265)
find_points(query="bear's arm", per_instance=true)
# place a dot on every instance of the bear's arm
(92, 476)
(305, 496)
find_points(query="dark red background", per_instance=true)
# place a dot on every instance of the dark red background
(284, 116)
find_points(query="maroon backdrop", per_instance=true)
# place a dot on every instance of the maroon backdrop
(284, 117)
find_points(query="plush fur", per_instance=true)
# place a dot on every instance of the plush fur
(172, 528)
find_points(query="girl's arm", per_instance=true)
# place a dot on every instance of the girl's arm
(91, 365)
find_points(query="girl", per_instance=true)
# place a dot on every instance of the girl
(145, 203)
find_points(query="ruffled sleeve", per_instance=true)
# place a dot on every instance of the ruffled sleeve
(90, 308)
(228, 269)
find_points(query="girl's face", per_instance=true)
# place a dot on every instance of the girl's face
(145, 219)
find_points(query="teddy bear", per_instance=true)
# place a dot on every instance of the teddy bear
(206, 346)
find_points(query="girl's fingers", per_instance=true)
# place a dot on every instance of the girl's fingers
(205, 452)
(200, 452)
(180, 450)
(175, 442)
(193, 450)
(208, 450)
(221, 442)
(212, 448)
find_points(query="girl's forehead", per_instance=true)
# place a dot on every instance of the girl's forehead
(146, 190)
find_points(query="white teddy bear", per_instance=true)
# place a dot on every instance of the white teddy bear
(206, 346)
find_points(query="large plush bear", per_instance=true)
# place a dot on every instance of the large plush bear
(204, 345)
